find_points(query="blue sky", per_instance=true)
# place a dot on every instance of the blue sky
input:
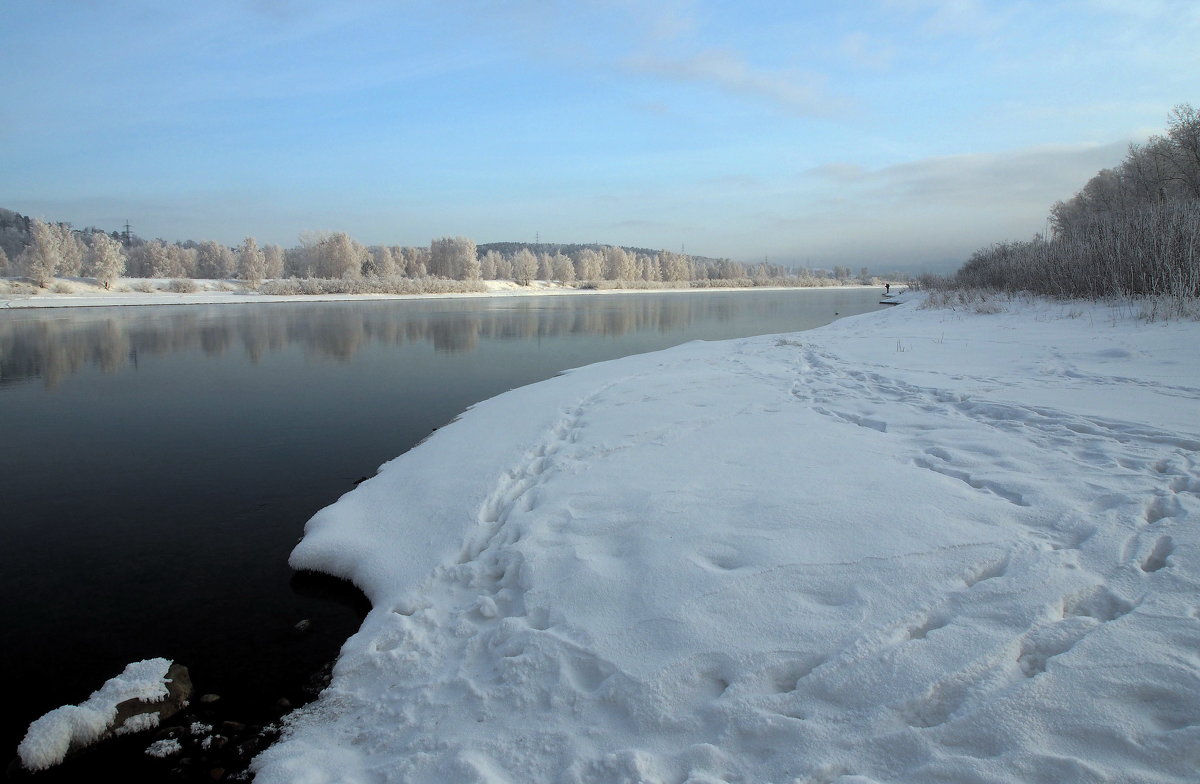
(868, 132)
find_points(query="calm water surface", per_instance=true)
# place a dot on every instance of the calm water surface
(157, 464)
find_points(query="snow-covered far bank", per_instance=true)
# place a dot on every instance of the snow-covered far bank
(84, 292)
(912, 546)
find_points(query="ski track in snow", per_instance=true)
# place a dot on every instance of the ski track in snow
(998, 665)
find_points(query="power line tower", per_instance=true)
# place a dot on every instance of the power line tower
(128, 235)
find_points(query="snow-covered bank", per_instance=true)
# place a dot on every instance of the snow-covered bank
(913, 546)
(127, 293)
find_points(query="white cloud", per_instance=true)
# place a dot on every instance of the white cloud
(790, 90)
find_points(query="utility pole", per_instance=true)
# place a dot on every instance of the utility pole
(128, 234)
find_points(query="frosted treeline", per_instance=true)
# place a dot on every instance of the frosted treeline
(1133, 229)
(336, 263)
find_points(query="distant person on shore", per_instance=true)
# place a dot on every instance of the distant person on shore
(887, 288)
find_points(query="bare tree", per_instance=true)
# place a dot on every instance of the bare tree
(1183, 129)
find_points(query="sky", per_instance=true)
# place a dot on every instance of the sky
(877, 133)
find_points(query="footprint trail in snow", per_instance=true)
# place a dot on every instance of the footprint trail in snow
(803, 558)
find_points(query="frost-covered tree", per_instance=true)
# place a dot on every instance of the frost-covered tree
(158, 260)
(40, 258)
(71, 251)
(416, 262)
(182, 261)
(545, 267)
(381, 261)
(105, 259)
(338, 256)
(149, 260)
(562, 269)
(471, 269)
(4, 263)
(618, 265)
(273, 261)
(504, 269)
(675, 266)
(1166, 169)
(252, 264)
(525, 266)
(589, 265)
(215, 261)
(488, 265)
(454, 257)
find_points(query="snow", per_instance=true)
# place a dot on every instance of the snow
(126, 293)
(167, 747)
(912, 546)
(49, 738)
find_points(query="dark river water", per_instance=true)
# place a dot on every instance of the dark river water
(157, 464)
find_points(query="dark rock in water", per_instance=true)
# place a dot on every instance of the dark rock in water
(303, 626)
(284, 703)
(208, 699)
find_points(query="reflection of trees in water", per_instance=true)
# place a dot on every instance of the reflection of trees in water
(55, 346)
(56, 349)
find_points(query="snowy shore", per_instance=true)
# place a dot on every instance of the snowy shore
(88, 295)
(912, 546)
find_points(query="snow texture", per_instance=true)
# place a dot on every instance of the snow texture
(912, 546)
(166, 747)
(75, 726)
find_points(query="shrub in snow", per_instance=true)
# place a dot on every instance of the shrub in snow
(183, 286)
(371, 285)
(137, 699)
